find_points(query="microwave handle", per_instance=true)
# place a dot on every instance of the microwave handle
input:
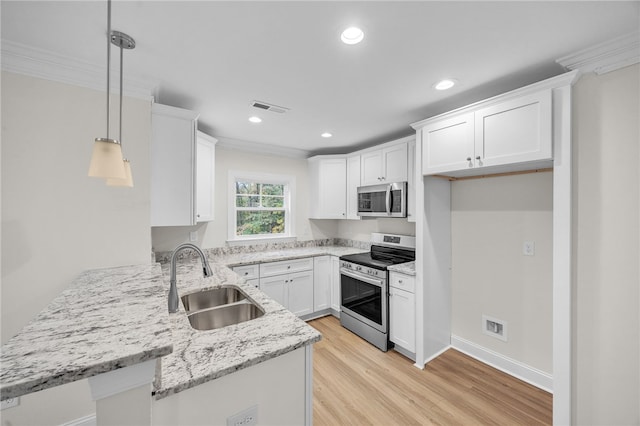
(388, 200)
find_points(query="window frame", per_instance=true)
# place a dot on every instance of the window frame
(289, 183)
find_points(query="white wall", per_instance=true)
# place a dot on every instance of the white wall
(214, 234)
(56, 221)
(490, 220)
(606, 137)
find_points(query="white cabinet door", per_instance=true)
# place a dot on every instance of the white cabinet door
(321, 283)
(328, 195)
(335, 283)
(205, 170)
(402, 313)
(371, 172)
(394, 163)
(514, 131)
(300, 293)
(411, 181)
(353, 182)
(173, 166)
(448, 145)
(275, 288)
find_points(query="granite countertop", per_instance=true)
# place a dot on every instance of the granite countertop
(116, 317)
(201, 356)
(107, 319)
(408, 268)
(239, 259)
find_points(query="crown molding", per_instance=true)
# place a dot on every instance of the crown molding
(261, 148)
(605, 57)
(27, 60)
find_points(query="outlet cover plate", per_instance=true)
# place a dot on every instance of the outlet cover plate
(11, 402)
(248, 417)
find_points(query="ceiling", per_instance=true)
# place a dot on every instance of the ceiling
(216, 57)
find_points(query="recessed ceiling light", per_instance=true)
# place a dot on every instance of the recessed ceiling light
(326, 135)
(255, 119)
(444, 84)
(352, 35)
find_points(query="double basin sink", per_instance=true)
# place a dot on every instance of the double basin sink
(219, 307)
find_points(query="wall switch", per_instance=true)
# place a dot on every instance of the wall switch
(11, 402)
(248, 417)
(193, 236)
(529, 248)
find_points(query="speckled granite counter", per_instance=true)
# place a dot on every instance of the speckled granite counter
(107, 319)
(201, 356)
(408, 268)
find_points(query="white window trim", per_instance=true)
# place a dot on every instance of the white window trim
(289, 224)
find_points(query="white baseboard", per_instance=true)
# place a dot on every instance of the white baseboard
(514, 368)
(89, 420)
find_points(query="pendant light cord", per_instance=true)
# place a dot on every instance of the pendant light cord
(121, 56)
(108, 62)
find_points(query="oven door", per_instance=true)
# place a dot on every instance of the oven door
(364, 298)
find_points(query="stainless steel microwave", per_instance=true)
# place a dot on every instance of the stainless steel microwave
(385, 200)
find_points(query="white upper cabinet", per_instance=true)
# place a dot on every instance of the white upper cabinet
(385, 165)
(515, 131)
(448, 144)
(173, 166)
(205, 171)
(353, 182)
(505, 133)
(411, 181)
(328, 194)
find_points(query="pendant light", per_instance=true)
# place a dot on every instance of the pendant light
(106, 159)
(124, 42)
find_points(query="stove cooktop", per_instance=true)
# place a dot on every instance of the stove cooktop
(381, 257)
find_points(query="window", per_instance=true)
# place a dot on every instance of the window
(260, 206)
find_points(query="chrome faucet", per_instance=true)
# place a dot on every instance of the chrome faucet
(173, 289)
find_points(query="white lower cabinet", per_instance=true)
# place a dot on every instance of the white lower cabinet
(402, 311)
(321, 283)
(335, 284)
(251, 274)
(293, 290)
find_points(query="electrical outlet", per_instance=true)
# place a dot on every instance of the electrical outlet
(10, 402)
(529, 248)
(248, 417)
(193, 236)
(494, 327)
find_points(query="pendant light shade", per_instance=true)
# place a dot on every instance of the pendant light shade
(128, 179)
(106, 159)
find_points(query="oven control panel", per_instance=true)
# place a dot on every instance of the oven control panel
(365, 270)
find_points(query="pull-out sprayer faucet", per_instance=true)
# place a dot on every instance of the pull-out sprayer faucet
(173, 289)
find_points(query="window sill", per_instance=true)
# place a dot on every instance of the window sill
(261, 240)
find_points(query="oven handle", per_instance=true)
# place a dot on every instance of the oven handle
(368, 280)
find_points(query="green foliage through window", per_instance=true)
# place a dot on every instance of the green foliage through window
(260, 208)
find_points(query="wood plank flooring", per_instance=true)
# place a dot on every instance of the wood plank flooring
(356, 384)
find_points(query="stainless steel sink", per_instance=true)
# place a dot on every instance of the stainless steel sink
(225, 315)
(211, 298)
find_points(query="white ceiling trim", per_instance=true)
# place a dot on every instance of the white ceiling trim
(22, 59)
(261, 148)
(605, 57)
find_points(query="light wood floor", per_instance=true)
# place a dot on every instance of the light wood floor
(356, 384)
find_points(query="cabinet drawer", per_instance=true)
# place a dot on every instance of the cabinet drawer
(402, 281)
(285, 267)
(248, 272)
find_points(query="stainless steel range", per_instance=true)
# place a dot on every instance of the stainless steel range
(364, 287)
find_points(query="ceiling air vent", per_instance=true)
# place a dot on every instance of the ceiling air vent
(268, 107)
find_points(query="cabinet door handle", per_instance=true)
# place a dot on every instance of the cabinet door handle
(478, 158)
(468, 158)
(399, 281)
